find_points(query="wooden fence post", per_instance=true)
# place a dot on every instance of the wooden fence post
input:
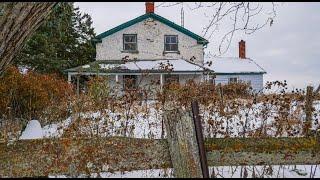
(182, 142)
(200, 139)
(308, 109)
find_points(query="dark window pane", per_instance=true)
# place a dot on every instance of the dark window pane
(130, 81)
(171, 78)
(167, 39)
(173, 39)
(174, 47)
(130, 38)
(130, 46)
(126, 38)
(167, 47)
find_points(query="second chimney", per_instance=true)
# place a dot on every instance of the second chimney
(242, 49)
(149, 7)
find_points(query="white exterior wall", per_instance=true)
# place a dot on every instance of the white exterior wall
(150, 39)
(256, 80)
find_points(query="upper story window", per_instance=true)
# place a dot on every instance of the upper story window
(171, 43)
(130, 42)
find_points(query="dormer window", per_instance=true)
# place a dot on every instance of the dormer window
(171, 43)
(130, 42)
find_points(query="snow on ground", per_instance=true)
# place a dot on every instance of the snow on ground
(55, 130)
(147, 124)
(154, 173)
(274, 171)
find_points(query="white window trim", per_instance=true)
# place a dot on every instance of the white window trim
(229, 80)
(165, 43)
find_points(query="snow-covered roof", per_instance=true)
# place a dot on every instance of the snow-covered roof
(219, 66)
(175, 64)
(233, 65)
(159, 65)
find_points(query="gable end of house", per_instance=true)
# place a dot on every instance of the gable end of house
(200, 40)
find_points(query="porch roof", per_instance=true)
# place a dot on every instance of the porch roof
(138, 66)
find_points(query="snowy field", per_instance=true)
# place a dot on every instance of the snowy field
(146, 123)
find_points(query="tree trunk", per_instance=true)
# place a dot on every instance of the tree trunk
(18, 21)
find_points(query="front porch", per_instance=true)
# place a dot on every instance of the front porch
(149, 75)
(151, 83)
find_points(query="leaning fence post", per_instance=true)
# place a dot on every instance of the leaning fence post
(182, 142)
(308, 109)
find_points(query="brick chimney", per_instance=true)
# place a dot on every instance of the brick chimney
(149, 7)
(242, 49)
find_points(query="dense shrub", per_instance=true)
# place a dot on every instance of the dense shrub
(32, 95)
(203, 92)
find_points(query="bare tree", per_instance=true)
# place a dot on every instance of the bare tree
(247, 17)
(18, 20)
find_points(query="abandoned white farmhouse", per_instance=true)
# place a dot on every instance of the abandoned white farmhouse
(149, 43)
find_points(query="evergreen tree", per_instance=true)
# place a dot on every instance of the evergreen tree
(62, 42)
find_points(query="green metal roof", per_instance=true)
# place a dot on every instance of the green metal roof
(171, 24)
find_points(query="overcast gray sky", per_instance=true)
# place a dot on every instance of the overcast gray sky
(288, 50)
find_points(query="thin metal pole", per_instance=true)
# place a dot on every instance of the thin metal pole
(199, 135)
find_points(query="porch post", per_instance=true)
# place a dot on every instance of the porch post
(117, 78)
(161, 82)
(78, 86)
(69, 78)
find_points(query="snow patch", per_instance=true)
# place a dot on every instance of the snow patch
(32, 131)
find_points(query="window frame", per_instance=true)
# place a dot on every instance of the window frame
(167, 78)
(177, 38)
(124, 43)
(229, 80)
(134, 85)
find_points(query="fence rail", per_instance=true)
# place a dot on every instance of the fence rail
(29, 158)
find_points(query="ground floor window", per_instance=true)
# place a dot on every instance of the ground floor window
(130, 82)
(233, 80)
(170, 78)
